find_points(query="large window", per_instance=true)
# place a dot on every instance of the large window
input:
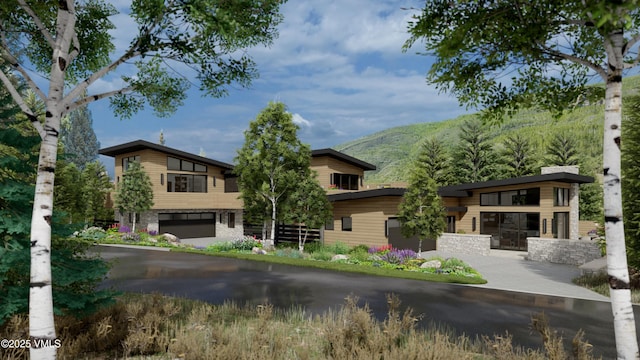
(186, 183)
(127, 160)
(345, 181)
(510, 230)
(184, 165)
(522, 197)
(560, 197)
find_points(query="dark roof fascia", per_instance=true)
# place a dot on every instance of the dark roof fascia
(138, 145)
(454, 193)
(558, 177)
(366, 194)
(457, 208)
(343, 157)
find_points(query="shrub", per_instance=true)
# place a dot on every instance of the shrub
(124, 229)
(338, 248)
(322, 255)
(380, 250)
(246, 243)
(399, 257)
(220, 247)
(131, 237)
(359, 248)
(92, 234)
(312, 247)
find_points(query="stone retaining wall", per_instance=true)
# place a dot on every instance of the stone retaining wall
(464, 244)
(563, 251)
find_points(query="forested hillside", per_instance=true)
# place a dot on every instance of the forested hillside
(393, 150)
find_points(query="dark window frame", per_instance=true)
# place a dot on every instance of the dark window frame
(345, 181)
(231, 220)
(559, 200)
(522, 197)
(127, 160)
(185, 165)
(347, 223)
(189, 186)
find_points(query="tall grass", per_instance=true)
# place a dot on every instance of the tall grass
(159, 327)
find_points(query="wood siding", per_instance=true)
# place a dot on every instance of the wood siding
(155, 165)
(368, 218)
(546, 209)
(326, 165)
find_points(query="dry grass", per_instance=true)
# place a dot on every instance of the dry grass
(599, 283)
(158, 327)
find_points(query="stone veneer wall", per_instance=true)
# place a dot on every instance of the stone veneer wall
(149, 220)
(563, 251)
(464, 244)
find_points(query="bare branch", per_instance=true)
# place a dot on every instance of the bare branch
(23, 106)
(91, 98)
(8, 57)
(43, 30)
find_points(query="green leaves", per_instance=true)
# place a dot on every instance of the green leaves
(134, 192)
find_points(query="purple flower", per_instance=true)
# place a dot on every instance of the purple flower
(399, 256)
(124, 229)
(152, 232)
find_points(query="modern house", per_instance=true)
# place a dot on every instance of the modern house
(198, 197)
(193, 196)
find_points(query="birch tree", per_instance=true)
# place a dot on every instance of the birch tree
(270, 163)
(68, 43)
(501, 56)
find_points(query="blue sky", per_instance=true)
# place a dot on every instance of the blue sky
(337, 65)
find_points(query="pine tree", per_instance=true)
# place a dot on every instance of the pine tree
(134, 193)
(436, 161)
(631, 180)
(96, 186)
(516, 157)
(421, 212)
(78, 138)
(270, 162)
(474, 157)
(562, 151)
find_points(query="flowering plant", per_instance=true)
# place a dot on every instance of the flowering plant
(124, 229)
(399, 257)
(333, 187)
(380, 250)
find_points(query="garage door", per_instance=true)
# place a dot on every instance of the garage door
(188, 225)
(398, 241)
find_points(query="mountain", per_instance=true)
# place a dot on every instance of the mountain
(393, 150)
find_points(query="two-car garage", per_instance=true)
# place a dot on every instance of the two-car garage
(188, 225)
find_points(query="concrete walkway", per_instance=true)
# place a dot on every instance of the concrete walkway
(509, 270)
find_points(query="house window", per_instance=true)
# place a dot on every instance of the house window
(231, 220)
(345, 181)
(346, 224)
(560, 197)
(127, 160)
(560, 225)
(186, 183)
(329, 225)
(184, 165)
(522, 197)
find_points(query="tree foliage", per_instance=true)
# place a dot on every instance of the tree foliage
(80, 143)
(631, 181)
(504, 56)
(134, 194)
(516, 157)
(69, 44)
(309, 207)
(436, 161)
(422, 212)
(562, 151)
(270, 163)
(474, 157)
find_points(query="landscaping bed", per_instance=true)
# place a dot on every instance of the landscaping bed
(380, 261)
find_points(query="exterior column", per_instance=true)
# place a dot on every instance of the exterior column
(574, 212)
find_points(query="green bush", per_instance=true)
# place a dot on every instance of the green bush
(359, 248)
(312, 247)
(91, 234)
(322, 255)
(290, 253)
(246, 243)
(338, 248)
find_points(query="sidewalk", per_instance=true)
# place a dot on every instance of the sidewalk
(508, 270)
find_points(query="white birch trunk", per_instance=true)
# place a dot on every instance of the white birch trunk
(133, 225)
(41, 322)
(623, 318)
(272, 236)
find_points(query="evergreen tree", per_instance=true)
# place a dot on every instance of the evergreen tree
(422, 212)
(80, 143)
(309, 206)
(631, 180)
(562, 151)
(96, 186)
(436, 161)
(68, 191)
(474, 157)
(134, 193)
(270, 163)
(516, 157)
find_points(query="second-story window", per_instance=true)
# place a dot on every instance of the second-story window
(186, 183)
(127, 160)
(345, 181)
(184, 165)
